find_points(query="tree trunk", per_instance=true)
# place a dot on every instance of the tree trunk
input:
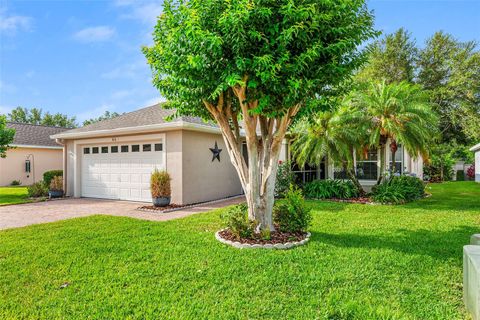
(393, 149)
(258, 178)
(351, 174)
(382, 164)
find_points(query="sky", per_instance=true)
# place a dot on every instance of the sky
(84, 57)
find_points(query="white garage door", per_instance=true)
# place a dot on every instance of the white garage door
(120, 171)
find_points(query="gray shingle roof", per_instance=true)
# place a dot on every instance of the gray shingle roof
(146, 116)
(34, 135)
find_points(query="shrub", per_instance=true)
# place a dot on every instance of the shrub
(398, 189)
(460, 175)
(285, 177)
(471, 172)
(327, 189)
(292, 214)
(236, 220)
(57, 183)
(15, 183)
(160, 184)
(38, 189)
(49, 175)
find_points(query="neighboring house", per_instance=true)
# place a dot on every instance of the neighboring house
(33, 153)
(113, 159)
(476, 149)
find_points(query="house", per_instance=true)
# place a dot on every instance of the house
(33, 153)
(476, 149)
(113, 159)
(367, 168)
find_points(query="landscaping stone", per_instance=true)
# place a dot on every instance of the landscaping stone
(278, 246)
(471, 280)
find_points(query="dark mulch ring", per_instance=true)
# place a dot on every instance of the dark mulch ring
(275, 237)
(169, 207)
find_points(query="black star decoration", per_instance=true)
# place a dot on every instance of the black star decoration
(216, 152)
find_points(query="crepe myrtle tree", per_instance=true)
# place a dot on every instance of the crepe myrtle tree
(251, 66)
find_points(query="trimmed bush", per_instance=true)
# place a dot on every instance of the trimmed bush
(236, 220)
(160, 184)
(15, 183)
(285, 177)
(291, 214)
(38, 189)
(399, 189)
(49, 175)
(328, 189)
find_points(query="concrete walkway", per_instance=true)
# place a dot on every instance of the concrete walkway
(21, 215)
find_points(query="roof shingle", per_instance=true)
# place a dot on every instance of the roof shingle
(34, 135)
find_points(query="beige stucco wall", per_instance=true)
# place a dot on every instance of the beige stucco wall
(13, 166)
(204, 179)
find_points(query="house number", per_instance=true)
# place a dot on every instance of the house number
(114, 139)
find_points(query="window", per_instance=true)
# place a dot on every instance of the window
(95, 150)
(147, 147)
(86, 150)
(158, 147)
(124, 148)
(309, 172)
(367, 169)
(114, 149)
(104, 149)
(135, 148)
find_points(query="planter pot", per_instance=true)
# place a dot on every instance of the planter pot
(55, 193)
(161, 201)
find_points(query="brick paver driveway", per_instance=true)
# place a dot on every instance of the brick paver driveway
(21, 215)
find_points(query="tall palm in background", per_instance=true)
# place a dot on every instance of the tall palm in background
(398, 111)
(326, 134)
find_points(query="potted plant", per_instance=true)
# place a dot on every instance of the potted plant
(56, 187)
(160, 188)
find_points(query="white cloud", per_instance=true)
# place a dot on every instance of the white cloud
(9, 25)
(95, 34)
(7, 88)
(94, 113)
(146, 12)
(122, 94)
(131, 70)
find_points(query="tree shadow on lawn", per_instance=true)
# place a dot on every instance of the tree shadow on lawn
(441, 245)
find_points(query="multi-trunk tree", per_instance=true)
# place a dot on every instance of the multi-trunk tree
(251, 66)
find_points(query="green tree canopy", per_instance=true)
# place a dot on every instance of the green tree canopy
(6, 136)
(259, 61)
(38, 117)
(450, 71)
(105, 116)
(391, 58)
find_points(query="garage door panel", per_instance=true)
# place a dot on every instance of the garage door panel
(124, 176)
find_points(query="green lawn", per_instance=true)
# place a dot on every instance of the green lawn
(13, 195)
(363, 262)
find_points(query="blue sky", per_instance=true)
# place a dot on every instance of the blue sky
(83, 57)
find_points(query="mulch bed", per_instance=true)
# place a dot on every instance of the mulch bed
(169, 207)
(275, 237)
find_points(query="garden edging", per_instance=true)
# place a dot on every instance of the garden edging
(278, 246)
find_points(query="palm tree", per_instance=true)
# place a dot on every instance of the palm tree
(398, 111)
(326, 134)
